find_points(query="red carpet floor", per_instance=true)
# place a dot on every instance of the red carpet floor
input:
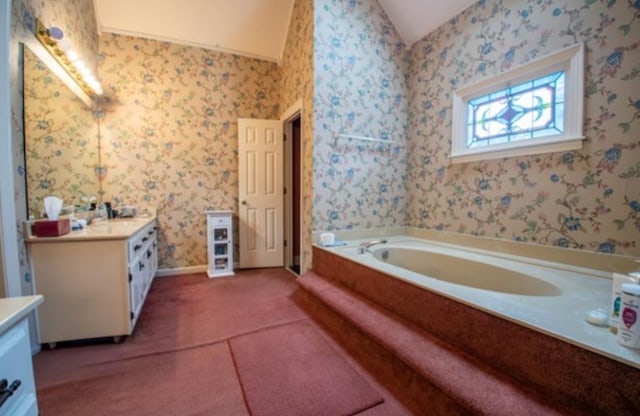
(190, 382)
(178, 361)
(291, 369)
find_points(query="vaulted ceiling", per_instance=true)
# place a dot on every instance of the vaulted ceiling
(255, 28)
(413, 19)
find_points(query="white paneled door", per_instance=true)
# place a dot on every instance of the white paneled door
(261, 193)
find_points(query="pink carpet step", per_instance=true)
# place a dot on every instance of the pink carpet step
(474, 385)
(574, 378)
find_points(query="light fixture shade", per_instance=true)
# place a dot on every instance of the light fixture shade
(62, 52)
(55, 33)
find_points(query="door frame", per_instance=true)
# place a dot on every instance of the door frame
(9, 259)
(287, 118)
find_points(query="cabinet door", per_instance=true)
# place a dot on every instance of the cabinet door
(154, 257)
(137, 273)
(15, 364)
(221, 250)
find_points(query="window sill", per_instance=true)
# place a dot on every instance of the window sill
(519, 149)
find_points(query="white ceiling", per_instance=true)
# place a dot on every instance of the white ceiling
(254, 28)
(413, 19)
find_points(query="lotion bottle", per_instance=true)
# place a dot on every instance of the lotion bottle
(629, 324)
(616, 296)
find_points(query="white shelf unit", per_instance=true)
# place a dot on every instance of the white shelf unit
(220, 243)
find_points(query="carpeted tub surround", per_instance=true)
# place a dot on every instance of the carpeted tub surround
(570, 376)
(421, 397)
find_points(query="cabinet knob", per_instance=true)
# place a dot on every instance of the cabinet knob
(244, 202)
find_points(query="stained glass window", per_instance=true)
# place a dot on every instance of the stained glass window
(524, 111)
(533, 108)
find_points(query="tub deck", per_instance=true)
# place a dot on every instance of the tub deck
(562, 317)
(436, 345)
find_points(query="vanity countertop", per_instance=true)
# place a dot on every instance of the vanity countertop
(116, 229)
(14, 309)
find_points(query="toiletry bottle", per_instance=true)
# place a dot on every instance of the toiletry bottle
(629, 323)
(616, 296)
(109, 211)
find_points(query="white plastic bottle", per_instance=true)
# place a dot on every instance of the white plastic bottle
(629, 323)
(616, 296)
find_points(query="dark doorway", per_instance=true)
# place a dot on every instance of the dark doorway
(296, 145)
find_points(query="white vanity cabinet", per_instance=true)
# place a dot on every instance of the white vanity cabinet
(16, 369)
(94, 280)
(220, 243)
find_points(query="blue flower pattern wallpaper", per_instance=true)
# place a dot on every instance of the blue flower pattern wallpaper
(355, 76)
(296, 79)
(360, 90)
(368, 84)
(169, 133)
(585, 199)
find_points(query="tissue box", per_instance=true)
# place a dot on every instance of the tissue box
(48, 228)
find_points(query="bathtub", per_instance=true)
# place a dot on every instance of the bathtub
(548, 297)
(471, 271)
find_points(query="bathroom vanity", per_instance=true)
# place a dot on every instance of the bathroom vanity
(94, 280)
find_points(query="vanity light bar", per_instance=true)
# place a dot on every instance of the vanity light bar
(68, 59)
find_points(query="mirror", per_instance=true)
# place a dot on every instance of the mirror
(61, 139)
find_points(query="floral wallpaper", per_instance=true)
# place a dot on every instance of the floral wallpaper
(61, 140)
(360, 89)
(169, 133)
(71, 17)
(296, 78)
(588, 199)
(365, 84)
(168, 123)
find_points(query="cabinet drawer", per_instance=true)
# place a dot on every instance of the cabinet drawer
(139, 242)
(219, 221)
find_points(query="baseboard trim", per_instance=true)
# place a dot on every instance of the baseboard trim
(187, 270)
(181, 270)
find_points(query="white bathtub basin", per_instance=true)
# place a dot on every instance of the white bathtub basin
(466, 272)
